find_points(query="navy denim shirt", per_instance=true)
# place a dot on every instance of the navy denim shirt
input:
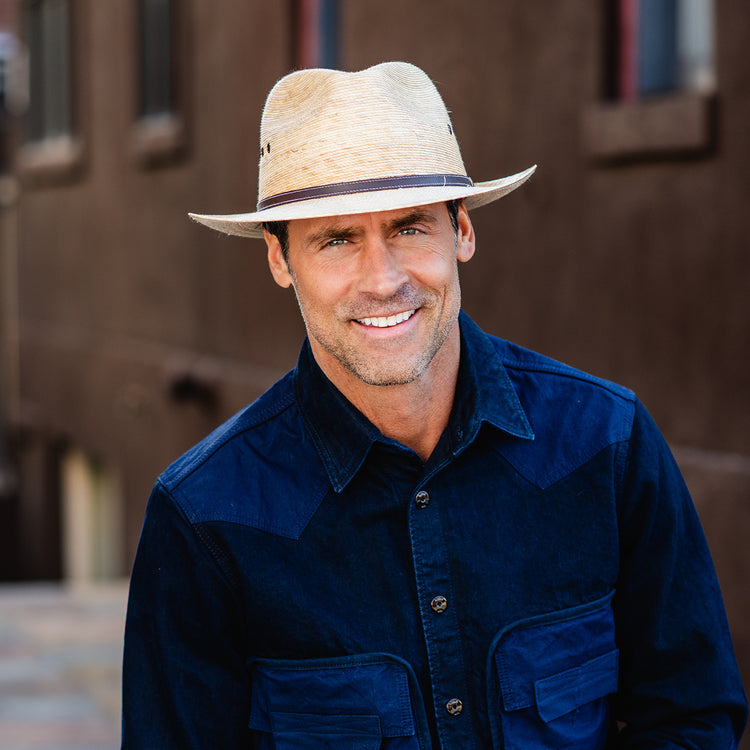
(541, 582)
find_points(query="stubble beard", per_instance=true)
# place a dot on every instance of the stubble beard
(385, 371)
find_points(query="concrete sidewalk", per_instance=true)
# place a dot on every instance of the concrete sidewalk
(60, 666)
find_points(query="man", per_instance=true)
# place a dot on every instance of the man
(422, 536)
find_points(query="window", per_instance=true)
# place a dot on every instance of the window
(50, 113)
(53, 149)
(665, 46)
(159, 135)
(659, 82)
(156, 80)
(696, 42)
(8, 54)
(316, 34)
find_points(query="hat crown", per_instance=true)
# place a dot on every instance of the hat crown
(322, 127)
(334, 143)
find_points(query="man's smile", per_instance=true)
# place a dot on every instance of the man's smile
(386, 321)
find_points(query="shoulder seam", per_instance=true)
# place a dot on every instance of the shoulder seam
(571, 372)
(211, 549)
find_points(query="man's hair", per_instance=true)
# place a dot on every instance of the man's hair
(453, 207)
(280, 229)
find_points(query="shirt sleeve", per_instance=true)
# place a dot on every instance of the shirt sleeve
(184, 679)
(679, 681)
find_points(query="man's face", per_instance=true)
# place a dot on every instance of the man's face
(379, 292)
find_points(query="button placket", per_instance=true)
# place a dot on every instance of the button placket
(439, 620)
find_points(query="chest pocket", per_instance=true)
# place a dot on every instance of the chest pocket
(554, 674)
(351, 703)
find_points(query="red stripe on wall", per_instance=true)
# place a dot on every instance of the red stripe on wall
(628, 62)
(308, 34)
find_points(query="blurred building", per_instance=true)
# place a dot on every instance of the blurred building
(128, 332)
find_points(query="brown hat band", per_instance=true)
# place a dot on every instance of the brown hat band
(365, 186)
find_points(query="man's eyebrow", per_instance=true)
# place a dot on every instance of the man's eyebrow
(413, 217)
(333, 232)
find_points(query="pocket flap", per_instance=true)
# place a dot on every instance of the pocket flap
(549, 660)
(358, 690)
(564, 692)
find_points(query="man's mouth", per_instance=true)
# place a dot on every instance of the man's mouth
(387, 321)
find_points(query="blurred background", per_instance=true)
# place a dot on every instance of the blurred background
(128, 332)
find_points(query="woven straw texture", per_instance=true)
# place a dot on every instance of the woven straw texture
(328, 128)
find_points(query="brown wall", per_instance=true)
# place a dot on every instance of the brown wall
(638, 271)
(634, 267)
(120, 294)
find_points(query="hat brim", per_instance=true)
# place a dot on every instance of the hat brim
(251, 224)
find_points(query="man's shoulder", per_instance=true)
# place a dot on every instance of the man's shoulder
(237, 473)
(255, 418)
(524, 363)
(529, 368)
(574, 415)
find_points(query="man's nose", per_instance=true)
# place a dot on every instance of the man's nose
(381, 271)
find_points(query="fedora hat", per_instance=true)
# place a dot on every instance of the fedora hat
(334, 143)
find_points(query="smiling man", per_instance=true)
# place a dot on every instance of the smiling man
(423, 536)
(380, 298)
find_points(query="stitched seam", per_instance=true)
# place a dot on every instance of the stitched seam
(213, 550)
(360, 186)
(204, 456)
(569, 372)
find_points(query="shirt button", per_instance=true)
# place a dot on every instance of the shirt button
(439, 604)
(454, 706)
(422, 499)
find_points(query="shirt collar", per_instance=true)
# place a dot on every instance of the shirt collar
(343, 436)
(484, 392)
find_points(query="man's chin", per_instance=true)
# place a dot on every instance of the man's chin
(385, 381)
(388, 376)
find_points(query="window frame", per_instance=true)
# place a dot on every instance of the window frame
(161, 138)
(61, 157)
(626, 126)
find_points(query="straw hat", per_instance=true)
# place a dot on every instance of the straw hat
(334, 143)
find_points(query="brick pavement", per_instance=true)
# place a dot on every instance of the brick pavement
(60, 654)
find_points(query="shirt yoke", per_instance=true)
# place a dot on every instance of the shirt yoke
(259, 469)
(574, 415)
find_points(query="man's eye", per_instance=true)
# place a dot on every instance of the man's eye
(336, 242)
(408, 230)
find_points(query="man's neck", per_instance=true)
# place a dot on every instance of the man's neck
(414, 414)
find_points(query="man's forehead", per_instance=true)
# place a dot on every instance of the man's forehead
(374, 218)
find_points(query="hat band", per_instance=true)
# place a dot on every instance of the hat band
(365, 186)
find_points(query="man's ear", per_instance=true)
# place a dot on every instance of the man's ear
(465, 241)
(276, 261)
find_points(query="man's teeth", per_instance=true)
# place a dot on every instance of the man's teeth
(391, 320)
